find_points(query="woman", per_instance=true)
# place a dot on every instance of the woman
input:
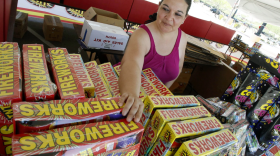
(159, 45)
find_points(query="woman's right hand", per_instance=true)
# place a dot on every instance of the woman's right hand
(133, 107)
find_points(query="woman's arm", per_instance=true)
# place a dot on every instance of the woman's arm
(130, 77)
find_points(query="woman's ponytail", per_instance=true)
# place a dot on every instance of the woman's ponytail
(152, 18)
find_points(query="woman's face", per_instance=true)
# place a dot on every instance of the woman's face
(171, 14)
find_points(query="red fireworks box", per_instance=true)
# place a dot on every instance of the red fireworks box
(97, 137)
(142, 94)
(66, 79)
(6, 129)
(82, 74)
(111, 78)
(10, 73)
(101, 87)
(148, 87)
(38, 85)
(41, 116)
(162, 89)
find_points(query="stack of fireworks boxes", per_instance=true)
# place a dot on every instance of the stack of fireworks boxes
(178, 122)
(63, 106)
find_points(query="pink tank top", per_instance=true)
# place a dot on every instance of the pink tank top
(165, 67)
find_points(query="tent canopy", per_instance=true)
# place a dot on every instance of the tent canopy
(267, 11)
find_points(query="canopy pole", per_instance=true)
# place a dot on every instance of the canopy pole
(260, 29)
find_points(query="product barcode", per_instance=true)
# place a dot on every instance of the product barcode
(107, 46)
(110, 146)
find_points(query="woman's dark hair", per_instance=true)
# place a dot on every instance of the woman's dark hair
(153, 17)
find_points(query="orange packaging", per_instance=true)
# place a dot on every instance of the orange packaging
(10, 73)
(68, 85)
(162, 89)
(111, 78)
(82, 74)
(142, 94)
(38, 85)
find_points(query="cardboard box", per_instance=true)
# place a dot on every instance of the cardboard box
(6, 125)
(52, 28)
(142, 94)
(104, 36)
(163, 116)
(38, 85)
(83, 75)
(10, 72)
(173, 133)
(32, 117)
(104, 16)
(214, 144)
(163, 90)
(21, 23)
(101, 88)
(67, 82)
(111, 78)
(100, 137)
(130, 151)
(152, 103)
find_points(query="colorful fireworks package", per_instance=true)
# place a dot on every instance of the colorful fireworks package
(99, 137)
(163, 90)
(210, 144)
(38, 85)
(248, 93)
(82, 74)
(33, 117)
(152, 103)
(174, 134)
(252, 140)
(269, 134)
(111, 78)
(68, 84)
(163, 116)
(130, 151)
(266, 109)
(142, 94)
(10, 73)
(101, 87)
(148, 87)
(6, 129)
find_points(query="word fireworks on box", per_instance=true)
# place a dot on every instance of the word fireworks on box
(10, 73)
(38, 85)
(101, 88)
(65, 76)
(40, 116)
(175, 133)
(97, 137)
(82, 74)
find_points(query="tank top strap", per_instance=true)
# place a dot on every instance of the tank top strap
(150, 35)
(178, 38)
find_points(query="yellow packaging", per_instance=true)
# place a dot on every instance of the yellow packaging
(209, 144)
(82, 74)
(101, 87)
(163, 90)
(163, 116)
(173, 133)
(151, 103)
(111, 78)
(142, 94)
